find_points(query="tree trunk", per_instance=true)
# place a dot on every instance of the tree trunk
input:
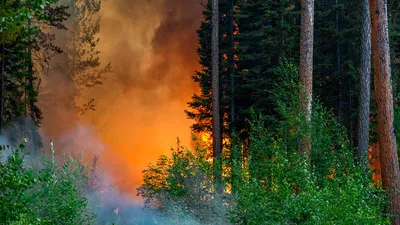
(29, 98)
(365, 87)
(232, 65)
(216, 124)
(384, 99)
(30, 79)
(306, 67)
(339, 101)
(3, 64)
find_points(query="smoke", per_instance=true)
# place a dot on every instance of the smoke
(151, 45)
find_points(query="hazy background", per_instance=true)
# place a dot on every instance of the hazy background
(151, 45)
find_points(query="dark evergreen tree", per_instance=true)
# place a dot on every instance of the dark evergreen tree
(22, 56)
(200, 105)
(268, 32)
(394, 34)
(337, 57)
(81, 51)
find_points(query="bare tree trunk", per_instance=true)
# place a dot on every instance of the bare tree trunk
(30, 102)
(306, 67)
(216, 124)
(3, 64)
(232, 64)
(384, 99)
(339, 101)
(365, 87)
(234, 156)
(30, 79)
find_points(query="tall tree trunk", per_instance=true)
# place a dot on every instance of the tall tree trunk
(232, 64)
(339, 101)
(235, 157)
(384, 99)
(306, 67)
(216, 124)
(30, 78)
(365, 87)
(29, 96)
(3, 64)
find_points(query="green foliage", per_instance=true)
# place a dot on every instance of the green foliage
(278, 186)
(81, 50)
(267, 32)
(253, 36)
(337, 55)
(24, 49)
(200, 105)
(15, 181)
(13, 18)
(182, 189)
(54, 194)
(270, 182)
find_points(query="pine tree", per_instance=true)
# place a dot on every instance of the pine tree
(394, 35)
(200, 106)
(306, 66)
(19, 77)
(215, 89)
(336, 57)
(384, 98)
(84, 69)
(268, 32)
(365, 86)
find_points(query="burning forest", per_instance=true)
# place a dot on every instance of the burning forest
(199, 112)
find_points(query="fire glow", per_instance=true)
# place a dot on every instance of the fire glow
(151, 45)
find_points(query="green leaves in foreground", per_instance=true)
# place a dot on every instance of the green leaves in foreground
(53, 194)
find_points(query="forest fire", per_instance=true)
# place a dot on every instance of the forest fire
(140, 108)
(272, 108)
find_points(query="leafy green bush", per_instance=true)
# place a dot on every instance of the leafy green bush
(181, 188)
(270, 182)
(54, 194)
(278, 186)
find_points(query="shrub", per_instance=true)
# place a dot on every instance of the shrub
(53, 194)
(278, 186)
(271, 183)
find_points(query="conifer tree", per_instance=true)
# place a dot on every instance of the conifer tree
(365, 86)
(200, 105)
(306, 65)
(267, 33)
(81, 53)
(383, 93)
(19, 73)
(337, 57)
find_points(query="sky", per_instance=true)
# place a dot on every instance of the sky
(151, 45)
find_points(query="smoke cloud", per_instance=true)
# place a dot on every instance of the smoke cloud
(151, 45)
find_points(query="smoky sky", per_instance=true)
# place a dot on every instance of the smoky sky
(167, 30)
(151, 45)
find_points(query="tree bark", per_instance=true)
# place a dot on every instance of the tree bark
(232, 65)
(384, 99)
(365, 87)
(3, 64)
(306, 67)
(216, 124)
(339, 101)
(30, 78)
